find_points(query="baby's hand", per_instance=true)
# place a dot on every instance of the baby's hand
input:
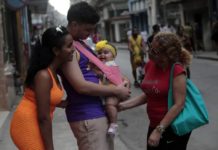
(122, 91)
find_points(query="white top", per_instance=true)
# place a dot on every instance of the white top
(111, 63)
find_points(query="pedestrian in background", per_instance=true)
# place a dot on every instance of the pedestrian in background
(214, 35)
(137, 50)
(184, 38)
(156, 29)
(85, 111)
(31, 124)
(96, 37)
(166, 50)
(186, 43)
(188, 30)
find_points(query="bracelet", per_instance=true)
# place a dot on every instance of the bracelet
(160, 128)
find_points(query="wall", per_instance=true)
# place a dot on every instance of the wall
(2, 77)
(208, 45)
(7, 91)
(119, 28)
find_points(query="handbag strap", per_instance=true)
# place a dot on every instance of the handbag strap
(170, 91)
(109, 72)
(171, 76)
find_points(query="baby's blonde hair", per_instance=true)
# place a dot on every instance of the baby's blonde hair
(104, 44)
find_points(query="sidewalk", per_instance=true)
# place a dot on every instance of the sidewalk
(120, 45)
(212, 55)
(62, 135)
(209, 55)
(3, 117)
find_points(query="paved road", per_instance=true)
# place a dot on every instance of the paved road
(133, 123)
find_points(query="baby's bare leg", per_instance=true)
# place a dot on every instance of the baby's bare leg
(111, 109)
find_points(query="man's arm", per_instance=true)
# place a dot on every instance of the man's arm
(143, 45)
(130, 46)
(73, 74)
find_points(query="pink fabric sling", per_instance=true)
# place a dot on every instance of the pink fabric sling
(111, 72)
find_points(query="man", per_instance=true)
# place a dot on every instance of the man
(156, 29)
(186, 43)
(214, 36)
(137, 50)
(188, 30)
(85, 111)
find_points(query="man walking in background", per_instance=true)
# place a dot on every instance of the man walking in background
(136, 47)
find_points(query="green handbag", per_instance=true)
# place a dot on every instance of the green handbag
(194, 113)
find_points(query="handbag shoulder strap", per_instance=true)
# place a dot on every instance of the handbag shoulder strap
(171, 77)
(171, 73)
(170, 91)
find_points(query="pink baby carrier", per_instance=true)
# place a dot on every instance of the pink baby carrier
(112, 73)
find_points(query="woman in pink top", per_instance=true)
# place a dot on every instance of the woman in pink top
(165, 50)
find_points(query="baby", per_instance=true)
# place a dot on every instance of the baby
(107, 54)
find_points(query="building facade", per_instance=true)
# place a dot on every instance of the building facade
(199, 14)
(139, 14)
(115, 19)
(16, 28)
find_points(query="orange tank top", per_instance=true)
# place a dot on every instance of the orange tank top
(56, 93)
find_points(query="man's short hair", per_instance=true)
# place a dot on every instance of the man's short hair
(82, 12)
(135, 30)
(156, 28)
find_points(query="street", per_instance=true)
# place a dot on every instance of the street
(133, 123)
(125, 23)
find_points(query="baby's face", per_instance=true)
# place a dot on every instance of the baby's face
(105, 55)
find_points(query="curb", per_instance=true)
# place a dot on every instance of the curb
(3, 117)
(206, 57)
(121, 47)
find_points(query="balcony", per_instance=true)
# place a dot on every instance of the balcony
(38, 6)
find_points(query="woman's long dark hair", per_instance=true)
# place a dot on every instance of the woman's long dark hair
(42, 53)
